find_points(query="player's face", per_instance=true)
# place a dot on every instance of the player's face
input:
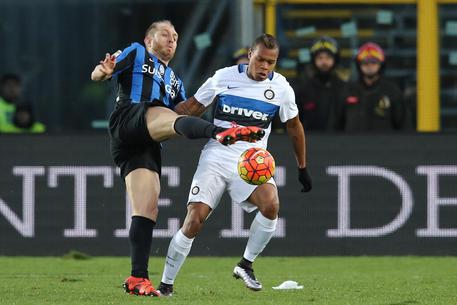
(370, 68)
(164, 42)
(324, 61)
(262, 62)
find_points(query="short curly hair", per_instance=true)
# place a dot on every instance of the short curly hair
(269, 41)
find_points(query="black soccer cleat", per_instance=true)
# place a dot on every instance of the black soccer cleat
(165, 290)
(248, 277)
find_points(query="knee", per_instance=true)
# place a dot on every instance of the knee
(160, 123)
(192, 225)
(270, 209)
(149, 211)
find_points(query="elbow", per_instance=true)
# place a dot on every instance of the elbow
(295, 126)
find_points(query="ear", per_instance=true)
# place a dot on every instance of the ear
(148, 41)
(249, 53)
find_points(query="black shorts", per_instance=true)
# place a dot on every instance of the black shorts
(130, 143)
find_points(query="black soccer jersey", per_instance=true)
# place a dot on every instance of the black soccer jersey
(142, 77)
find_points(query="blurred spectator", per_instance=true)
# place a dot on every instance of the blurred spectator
(24, 121)
(374, 103)
(10, 92)
(321, 93)
(15, 116)
(241, 56)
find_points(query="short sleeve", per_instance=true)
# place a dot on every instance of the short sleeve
(126, 59)
(288, 109)
(208, 91)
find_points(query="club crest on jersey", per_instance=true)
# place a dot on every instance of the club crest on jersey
(269, 94)
(161, 69)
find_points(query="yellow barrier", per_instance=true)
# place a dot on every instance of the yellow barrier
(428, 97)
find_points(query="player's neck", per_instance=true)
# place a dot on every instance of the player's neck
(159, 57)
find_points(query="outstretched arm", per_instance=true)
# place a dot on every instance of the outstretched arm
(297, 136)
(105, 68)
(190, 107)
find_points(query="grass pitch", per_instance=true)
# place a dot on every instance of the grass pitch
(207, 280)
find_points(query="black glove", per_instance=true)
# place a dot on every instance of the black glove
(305, 179)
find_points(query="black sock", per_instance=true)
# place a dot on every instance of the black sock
(140, 235)
(244, 263)
(196, 128)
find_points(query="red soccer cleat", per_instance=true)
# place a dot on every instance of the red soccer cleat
(140, 286)
(240, 133)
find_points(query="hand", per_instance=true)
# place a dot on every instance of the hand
(107, 65)
(305, 179)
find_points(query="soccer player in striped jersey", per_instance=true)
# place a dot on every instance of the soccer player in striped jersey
(249, 94)
(144, 116)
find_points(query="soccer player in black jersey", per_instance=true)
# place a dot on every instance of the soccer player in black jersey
(143, 117)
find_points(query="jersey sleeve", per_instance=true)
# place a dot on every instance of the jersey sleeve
(126, 59)
(208, 91)
(288, 109)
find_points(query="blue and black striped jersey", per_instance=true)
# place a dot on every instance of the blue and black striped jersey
(142, 77)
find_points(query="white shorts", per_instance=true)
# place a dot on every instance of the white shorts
(212, 178)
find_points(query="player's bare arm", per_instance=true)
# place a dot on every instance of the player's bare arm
(297, 136)
(105, 68)
(190, 107)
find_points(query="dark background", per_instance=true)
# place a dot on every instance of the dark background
(55, 44)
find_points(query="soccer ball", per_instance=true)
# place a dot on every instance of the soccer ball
(256, 166)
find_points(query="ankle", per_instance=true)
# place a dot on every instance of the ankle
(217, 130)
(244, 263)
(140, 274)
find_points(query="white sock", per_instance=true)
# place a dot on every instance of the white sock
(260, 233)
(178, 250)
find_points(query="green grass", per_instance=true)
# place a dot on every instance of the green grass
(204, 280)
